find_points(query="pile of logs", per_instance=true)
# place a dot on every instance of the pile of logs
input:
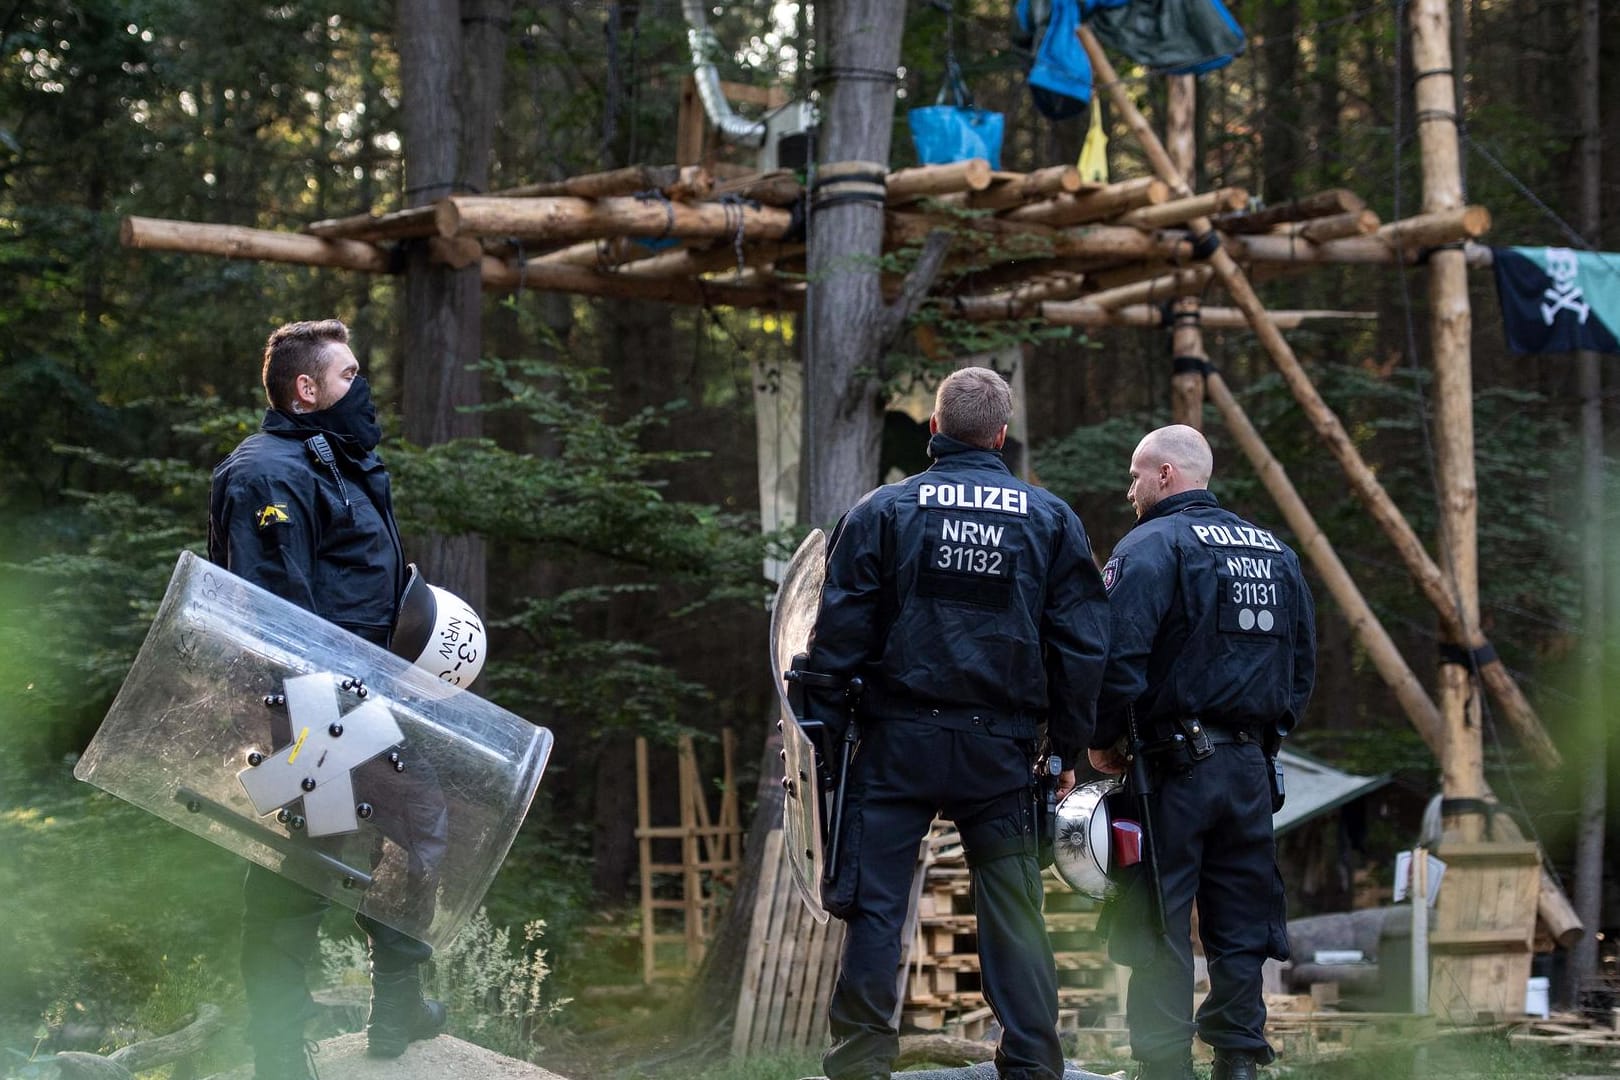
(1037, 245)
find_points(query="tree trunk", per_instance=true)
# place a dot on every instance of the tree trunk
(1594, 783)
(452, 56)
(843, 323)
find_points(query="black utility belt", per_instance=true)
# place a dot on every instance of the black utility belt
(954, 718)
(1197, 739)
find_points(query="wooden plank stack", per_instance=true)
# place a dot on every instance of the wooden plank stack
(943, 991)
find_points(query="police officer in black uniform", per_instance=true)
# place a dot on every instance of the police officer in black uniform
(1213, 656)
(302, 508)
(968, 604)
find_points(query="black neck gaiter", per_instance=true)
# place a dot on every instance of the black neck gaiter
(353, 420)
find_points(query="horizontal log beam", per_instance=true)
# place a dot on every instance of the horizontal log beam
(675, 181)
(1398, 241)
(1008, 190)
(1084, 313)
(904, 185)
(1187, 282)
(565, 218)
(1181, 211)
(1085, 207)
(1263, 219)
(240, 242)
(1334, 227)
(691, 291)
(780, 187)
(400, 225)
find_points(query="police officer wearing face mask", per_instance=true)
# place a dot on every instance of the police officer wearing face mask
(968, 604)
(1214, 655)
(302, 508)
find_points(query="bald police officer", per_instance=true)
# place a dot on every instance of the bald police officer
(1214, 654)
(968, 604)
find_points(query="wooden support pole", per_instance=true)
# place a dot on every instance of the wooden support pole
(564, 218)
(1085, 207)
(239, 242)
(1181, 211)
(675, 181)
(904, 185)
(1462, 772)
(649, 946)
(1188, 357)
(1363, 481)
(691, 877)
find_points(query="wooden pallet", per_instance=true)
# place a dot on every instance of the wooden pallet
(943, 989)
(792, 962)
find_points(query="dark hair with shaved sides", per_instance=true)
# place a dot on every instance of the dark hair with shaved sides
(298, 349)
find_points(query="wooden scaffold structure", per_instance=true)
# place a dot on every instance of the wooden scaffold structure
(1045, 247)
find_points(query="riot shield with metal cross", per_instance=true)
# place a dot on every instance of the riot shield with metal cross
(815, 747)
(322, 757)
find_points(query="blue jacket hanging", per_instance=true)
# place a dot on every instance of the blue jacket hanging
(1060, 81)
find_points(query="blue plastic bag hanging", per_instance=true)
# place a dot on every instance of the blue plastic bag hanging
(955, 131)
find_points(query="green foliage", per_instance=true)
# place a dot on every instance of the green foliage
(115, 920)
(496, 988)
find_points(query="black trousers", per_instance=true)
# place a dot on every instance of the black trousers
(1212, 828)
(281, 919)
(903, 774)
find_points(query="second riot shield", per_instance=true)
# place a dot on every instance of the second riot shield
(794, 615)
(322, 757)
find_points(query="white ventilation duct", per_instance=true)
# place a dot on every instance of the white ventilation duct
(703, 43)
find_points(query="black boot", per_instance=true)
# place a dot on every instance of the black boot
(400, 1015)
(286, 1060)
(1235, 1065)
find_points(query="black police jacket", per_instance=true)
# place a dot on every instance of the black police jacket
(322, 536)
(1211, 618)
(963, 595)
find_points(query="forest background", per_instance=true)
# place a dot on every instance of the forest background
(614, 484)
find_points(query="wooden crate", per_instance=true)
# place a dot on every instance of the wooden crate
(1480, 939)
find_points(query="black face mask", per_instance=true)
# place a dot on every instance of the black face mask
(353, 419)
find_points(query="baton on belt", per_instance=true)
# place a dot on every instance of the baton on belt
(1141, 786)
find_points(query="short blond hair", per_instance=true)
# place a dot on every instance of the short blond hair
(973, 405)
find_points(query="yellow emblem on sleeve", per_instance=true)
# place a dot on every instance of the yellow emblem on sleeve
(273, 514)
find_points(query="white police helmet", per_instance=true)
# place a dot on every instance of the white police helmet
(1084, 844)
(439, 632)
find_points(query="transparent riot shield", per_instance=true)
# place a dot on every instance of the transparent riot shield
(794, 615)
(326, 759)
